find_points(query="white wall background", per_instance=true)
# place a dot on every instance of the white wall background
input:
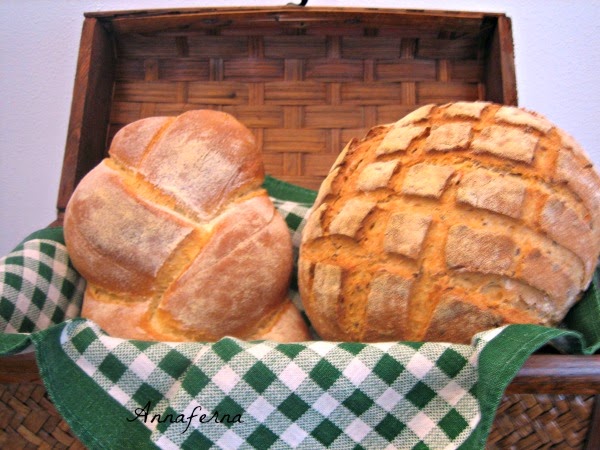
(557, 51)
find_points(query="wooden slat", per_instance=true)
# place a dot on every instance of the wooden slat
(319, 165)
(500, 79)
(467, 70)
(124, 112)
(145, 91)
(217, 46)
(393, 113)
(148, 21)
(261, 116)
(334, 70)
(130, 69)
(593, 437)
(327, 117)
(273, 162)
(218, 93)
(19, 368)
(90, 109)
(293, 141)
(294, 47)
(448, 48)
(558, 373)
(371, 93)
(443, 92)
(405, 70)
(183, 69)
(295, 93)
(253, 70)
(136, 46)
(371, 47)
(292, 164)
(347, 134)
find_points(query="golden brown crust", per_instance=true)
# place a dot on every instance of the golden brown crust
(203, 159)
(387, 306)
(175, 236)
(235, 281)
(326, 290)
(106, 314)
(454, 318)
(405, 234)
(426, 180)
(129, 146)
(503, 194)
(102, 229)
(482, 214)
(289, 326)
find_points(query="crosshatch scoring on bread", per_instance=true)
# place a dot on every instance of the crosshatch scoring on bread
(455, 219)
(176, 238)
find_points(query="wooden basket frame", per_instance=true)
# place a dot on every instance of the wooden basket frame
(89, 130)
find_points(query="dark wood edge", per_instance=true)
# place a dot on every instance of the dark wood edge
(69, 167)
(507, 61)
(19, 369)
(90, 108)
(164, 20)
(499, 62)
(541, 374)
(558, 374)
(146, 13)
(593, 436)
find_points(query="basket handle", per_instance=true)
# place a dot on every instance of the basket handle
(302, 3)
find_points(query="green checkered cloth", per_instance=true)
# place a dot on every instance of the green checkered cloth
(38, 285)
(118, 393)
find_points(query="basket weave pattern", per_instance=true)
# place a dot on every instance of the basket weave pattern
(541, 421)
(28, 420)
(304, 90)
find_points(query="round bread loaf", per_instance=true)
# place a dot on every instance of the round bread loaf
(176, 238)
(455, 219)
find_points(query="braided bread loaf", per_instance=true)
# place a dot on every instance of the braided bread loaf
(455, 219)
(176, 238)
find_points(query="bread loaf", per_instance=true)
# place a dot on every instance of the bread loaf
(455, 219)
(176, 238)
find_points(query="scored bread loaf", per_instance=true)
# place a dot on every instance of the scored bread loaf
(455, 219)
(176, 238)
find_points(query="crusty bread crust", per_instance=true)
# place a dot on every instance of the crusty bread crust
(177, 240)
(455, 219)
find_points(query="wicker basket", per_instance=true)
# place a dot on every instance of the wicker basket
(305, 81)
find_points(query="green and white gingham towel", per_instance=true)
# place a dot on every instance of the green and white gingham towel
(231, 394)
(38, 285)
